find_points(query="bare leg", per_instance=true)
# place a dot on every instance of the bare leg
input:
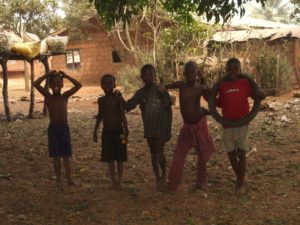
(155, 164)
(120, 174)
(241, 169)
(160, 144)
(202, 182)
(238, 163)
(57, 169)
(67, 165)
(233, 161)
(111, 169)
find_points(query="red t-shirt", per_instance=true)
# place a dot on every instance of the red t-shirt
(233, 98)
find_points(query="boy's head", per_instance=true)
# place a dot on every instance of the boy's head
(148, 74)
(190, 71)
(55, 81)
(108, 83)
(233, 67)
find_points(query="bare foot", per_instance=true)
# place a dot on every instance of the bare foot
(58, 182)
(240, 190)
(168, 188)
(71, 182)
(202, 187)
(118, 185)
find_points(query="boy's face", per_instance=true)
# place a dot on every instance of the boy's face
(108, 85)
(56, 84)
(148, 76)
(233, 69)
(190, 73)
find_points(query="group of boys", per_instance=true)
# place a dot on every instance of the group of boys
(155, 105)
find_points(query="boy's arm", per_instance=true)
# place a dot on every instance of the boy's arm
(174, 85)
(124, 122)
(39, 87)
(77, 85)
(133, 102)
(122, 108)
(98, 121)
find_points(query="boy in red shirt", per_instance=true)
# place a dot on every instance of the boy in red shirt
(233, 100)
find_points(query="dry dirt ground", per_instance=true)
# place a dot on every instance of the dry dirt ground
(29, 196)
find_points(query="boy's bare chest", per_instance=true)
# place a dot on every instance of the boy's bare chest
(56, 102)
(110, 105)
(189, 93)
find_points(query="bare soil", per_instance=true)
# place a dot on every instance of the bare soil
(29, 196)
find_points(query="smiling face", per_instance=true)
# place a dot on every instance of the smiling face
(108, 84)
(148, 76)
(190, 72)
(233, 67)
(56, 84)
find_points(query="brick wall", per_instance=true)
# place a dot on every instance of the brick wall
(96, 53)
(95, 58)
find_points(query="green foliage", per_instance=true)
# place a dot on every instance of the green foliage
(182, 42)
(35, 16)
(113, 11)
(274, 70)
(270, 66)
(296, 12)
(129, 75)
(78, 14)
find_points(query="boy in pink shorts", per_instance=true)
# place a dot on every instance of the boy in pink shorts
(195, 132)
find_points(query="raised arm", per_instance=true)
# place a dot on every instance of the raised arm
(39, 87)
(98, 121)
(174, 85)
(134, 101)
(73, 90)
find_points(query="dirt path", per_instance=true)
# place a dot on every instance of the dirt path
(28, 193)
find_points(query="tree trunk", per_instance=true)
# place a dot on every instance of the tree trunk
(154, 46)
(31, 90)
(4, 90)
(44, 60)
(27, 75)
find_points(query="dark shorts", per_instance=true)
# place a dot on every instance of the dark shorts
(112, 148)
(59, 142)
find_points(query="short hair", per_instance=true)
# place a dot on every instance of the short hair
(107, 76)
(52, 74)
(147, 67)
(191, 64)
(232, 61)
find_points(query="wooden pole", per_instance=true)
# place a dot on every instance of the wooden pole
(277, 76)
(31, 90)
(44, 60)
(3, 62)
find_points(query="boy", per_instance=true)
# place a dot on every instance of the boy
(59, 141)
(115, 129)
(157, 120)
(233, 100)
(195, 132)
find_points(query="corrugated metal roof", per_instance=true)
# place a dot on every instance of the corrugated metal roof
(244, 35)
(248, 22)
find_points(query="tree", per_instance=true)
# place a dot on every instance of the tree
(180, 41)
(38, 17)
(34, 16)
(296, 12)
(273, 10)
(113, 11)
(77, 15)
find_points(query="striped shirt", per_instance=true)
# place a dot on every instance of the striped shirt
(156, 111)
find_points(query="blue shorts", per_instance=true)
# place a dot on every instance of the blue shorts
(59, 141)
